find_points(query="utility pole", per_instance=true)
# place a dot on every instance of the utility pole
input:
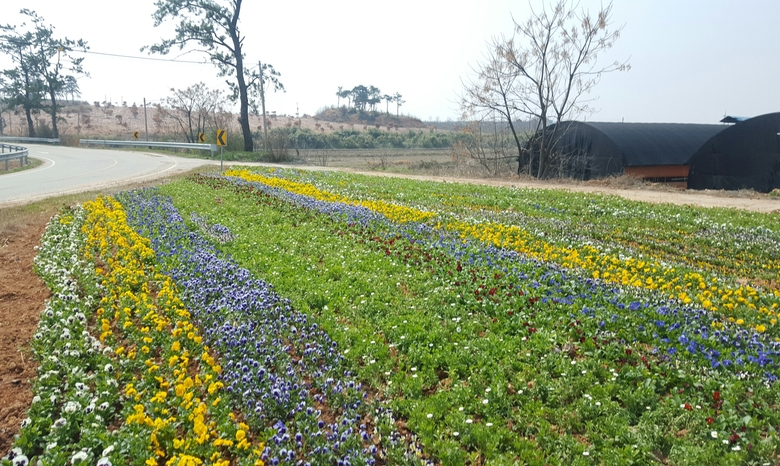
(146, 126)
(262, 102)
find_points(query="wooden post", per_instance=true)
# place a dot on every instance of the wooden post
(262, 102)
(146, 126)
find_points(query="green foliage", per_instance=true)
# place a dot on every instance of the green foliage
(481, 382)
(39, 68)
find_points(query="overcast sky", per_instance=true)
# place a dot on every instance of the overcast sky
(691, 61)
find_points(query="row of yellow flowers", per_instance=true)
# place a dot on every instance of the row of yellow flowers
(663, 246)
(172, 393)
(742, 304)
(394, 212)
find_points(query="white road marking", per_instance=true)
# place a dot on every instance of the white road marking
(175, 164)
(34, 170)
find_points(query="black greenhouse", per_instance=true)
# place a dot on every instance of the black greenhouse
(743, 155)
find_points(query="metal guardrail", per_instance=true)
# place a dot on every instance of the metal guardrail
(165, 145)
(9, 152)
(26, 139)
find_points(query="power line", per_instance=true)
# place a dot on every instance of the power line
(142, 58)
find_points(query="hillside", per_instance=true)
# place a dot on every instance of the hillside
(82, 120)
(359, 118)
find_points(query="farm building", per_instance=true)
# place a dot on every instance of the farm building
(745, 154)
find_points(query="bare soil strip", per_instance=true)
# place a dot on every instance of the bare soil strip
(22, 297)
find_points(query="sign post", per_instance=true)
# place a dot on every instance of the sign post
(221, 142)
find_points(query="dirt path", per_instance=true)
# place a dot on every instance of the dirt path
(22, 297)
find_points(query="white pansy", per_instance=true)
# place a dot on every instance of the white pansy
(71, 407)
(78, 457)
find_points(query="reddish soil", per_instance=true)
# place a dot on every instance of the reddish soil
(22, 297)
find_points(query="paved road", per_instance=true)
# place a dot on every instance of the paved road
(74, 169)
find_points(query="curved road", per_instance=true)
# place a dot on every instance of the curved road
(75, 169)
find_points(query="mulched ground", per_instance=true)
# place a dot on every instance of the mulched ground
(22, 297)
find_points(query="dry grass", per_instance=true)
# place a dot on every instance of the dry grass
(119, 122)
(14, 165)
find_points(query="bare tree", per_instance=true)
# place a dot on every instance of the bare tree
(543, 73)
(195, 109)
(488, 142)
(491, 94)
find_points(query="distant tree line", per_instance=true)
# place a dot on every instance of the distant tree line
(372, 138)
(367, 98)
(44, 70)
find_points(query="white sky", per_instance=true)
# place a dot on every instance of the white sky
(692, 61)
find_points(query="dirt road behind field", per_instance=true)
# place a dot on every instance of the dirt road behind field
(754, 202)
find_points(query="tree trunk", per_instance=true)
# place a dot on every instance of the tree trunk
(262, 102)
(243, 91)
(246, 130)
(30, 125)
(54, 130)
(27, 103)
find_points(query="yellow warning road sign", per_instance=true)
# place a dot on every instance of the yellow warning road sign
(135, 135)
(201, 137)
(221, 137)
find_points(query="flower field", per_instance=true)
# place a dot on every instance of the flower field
(292, 317)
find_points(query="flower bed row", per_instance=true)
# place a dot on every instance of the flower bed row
(739, 303)
(124, 376)
(726, 241)
(542, 363)
(282, 371)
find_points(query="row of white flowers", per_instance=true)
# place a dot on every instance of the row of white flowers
(76, 393)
